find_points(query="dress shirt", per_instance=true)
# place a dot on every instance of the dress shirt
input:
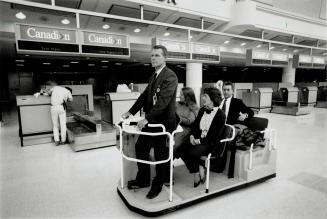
(206, 122)
(159, 70)
(59, 95)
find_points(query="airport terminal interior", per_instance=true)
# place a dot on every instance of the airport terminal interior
(274, 53)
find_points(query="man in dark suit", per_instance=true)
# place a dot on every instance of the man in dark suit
(235, 110)
(158, 101)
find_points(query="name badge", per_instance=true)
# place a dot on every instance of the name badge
(154, 99)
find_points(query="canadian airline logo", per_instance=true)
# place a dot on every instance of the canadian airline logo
(48, 35)
(93, 38)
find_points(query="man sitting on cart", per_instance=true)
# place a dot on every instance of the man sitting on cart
(158, 101)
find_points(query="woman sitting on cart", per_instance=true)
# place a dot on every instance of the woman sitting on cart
(205, 133)
(186, 110)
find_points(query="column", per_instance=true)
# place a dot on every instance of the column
(289, 73)
(194, 78)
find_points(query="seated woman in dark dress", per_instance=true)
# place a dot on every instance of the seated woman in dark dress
(206, 132)
(186, 110)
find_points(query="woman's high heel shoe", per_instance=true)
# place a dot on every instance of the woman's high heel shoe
(197, 183)
(203, 179)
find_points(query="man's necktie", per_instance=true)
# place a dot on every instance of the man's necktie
(224, 106)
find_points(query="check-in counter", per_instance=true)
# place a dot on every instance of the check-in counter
(291, 94)
(322, 95)
(259, 99)
(115, 104)
(308, 95)
(240, 88)
(35, 124)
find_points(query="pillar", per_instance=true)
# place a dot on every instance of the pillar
(289, 74)
(194, 78)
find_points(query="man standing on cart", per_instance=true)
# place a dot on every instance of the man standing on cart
(158, 101)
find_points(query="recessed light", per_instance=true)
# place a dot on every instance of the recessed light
(295, 50)
(65, 21)
(272, 47)
(104, 61)
(20, 60)
(20, 15)
(65, 66)
(46, 63)
(137, 30)
(166, 34)
(20, 65)
(106, 26)
(104, 66)
(74, 62)
(118, 63)
(27, 55)
(91, 64)
(226, 42)
(284, 49)
(258, 46)
(243, 44)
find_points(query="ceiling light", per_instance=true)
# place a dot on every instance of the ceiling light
(325, 53)
(146, 64)
(104, 61)
(104, 66)
(20, 60)
(272, 47)
(27, 55)
(20, 65)
(106, 26)
(259, 46)
(137, 30)
(284, 49)
(46, 63)
(66, 66)
(20, 15)
(65, 21)
(74, 62)
(295, 50)
(91, 64)
(191, 36)
(226, 42)
(118, 63)
(166, 34)
(243, 44)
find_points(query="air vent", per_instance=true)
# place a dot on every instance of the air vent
(189, 22)
(253, 33)
(63, 3)
(282, 38)
(308, 42)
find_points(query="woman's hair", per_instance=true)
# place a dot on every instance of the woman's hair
(189, 96)
(214, 95)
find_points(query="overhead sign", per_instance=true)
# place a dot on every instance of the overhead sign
(205, 52)
(302, 61)
(318, 61)
(35, 39)
(104, 44)
(279, 58)
(177, 50)
(257, 57)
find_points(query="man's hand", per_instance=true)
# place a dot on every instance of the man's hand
(141, 124)
(194, 141)
(36, 95)
(126, 115)
(242, 116)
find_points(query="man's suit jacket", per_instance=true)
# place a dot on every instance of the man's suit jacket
(236, 106)
(163, 111)
(215, 131)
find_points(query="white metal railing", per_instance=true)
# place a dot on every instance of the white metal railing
(121, 126)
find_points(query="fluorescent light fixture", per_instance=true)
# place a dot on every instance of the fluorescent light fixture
(91, 64)
(105, 26)
(65, 21)
(104, 61)
(137, 30)
(46, 63)
(74, 62)
(243, 44)
(20, 15)
(259, 46)
(226, 42)
(166, 34)
(284, 49)
(146, 64)
(20, 60)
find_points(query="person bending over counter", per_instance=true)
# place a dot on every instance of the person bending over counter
(235, 110)
(159, 103)
(186, 110)
(206, 132)
(59, 97)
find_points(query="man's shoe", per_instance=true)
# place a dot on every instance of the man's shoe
(154, 192)
(57, 143)
(134, 184)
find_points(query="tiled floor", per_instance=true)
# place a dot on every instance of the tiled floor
(45, 181)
